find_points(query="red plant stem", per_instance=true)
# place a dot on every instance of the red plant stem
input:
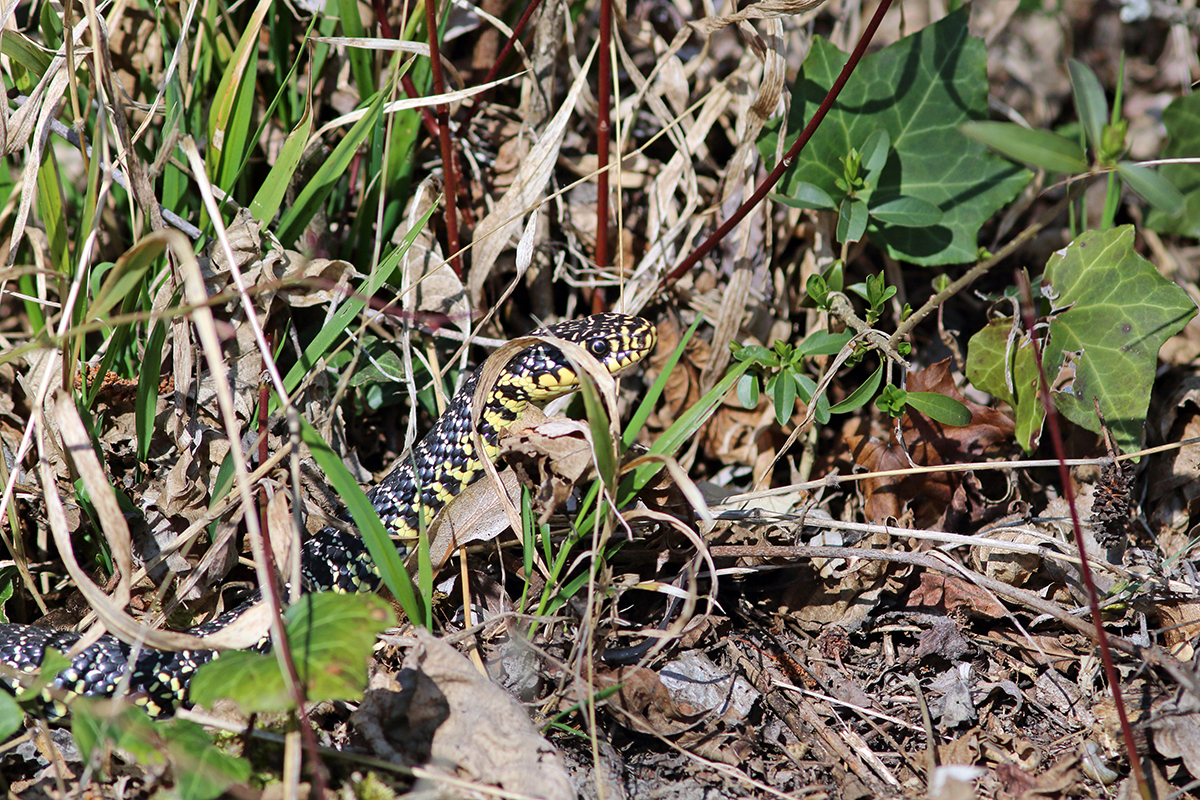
(320, 774)
(785, 162)
(410, 88)
(1085, 570)
(603, 127)
(504, 51)
(442, 111)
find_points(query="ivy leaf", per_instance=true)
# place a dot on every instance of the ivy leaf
(1103, 346)
(919, 90)
(1182, 120)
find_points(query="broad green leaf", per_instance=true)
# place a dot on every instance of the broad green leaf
(860, 396)
(919, 90)
(784, 395)
(1037, 148)
(852, 220)
(1182, 120)
(1120, 311)
(202, 771)
(747, 391)
(1116, 312)
(330, 635)
(806, 387)
(11, 716)
(907, 212)
(875, 151)
(1151, 187)
(1090, 102)
(945, 410)
(824, 343)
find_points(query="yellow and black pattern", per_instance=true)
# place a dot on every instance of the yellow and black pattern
(418, 487)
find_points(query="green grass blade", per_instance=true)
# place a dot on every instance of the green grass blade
(375, 536)
(318, 189)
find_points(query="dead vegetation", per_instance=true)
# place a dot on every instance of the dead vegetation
(784, 589)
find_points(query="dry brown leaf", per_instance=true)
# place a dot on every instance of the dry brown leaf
(644, 703)
(472, 516)
(1036, 649)
(928, 443)
(442, 714)
(551, 456)
(954, 594)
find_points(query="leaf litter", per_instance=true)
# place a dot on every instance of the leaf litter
(863, 642)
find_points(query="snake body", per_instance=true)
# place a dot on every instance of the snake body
(418, 486)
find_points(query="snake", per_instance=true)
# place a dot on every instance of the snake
(407, 499)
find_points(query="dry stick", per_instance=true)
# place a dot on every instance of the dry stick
(982, 268)
(785, 162)
(442, 111)
(603, 126)
(1085, 570)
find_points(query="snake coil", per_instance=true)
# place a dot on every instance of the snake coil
(418, 486)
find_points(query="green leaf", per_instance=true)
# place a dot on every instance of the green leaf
(747, 391)
(875, 151)
(1152, 187)
(326, 178)
(125, 276)
(201, 770)
(1037, 148)
(852, 220)
(330, 635)
(270, 194)
(806, 387)
(1182, 120)
(907, 212)
(919, 90)
(945, 410)
(860, 396)
(824, 343)
(147, 391)
(1116, 312)
(785, 397)
(1090, 102)
(757, 354)
(366, 519)
(806, 196)
(11, 716)
(1120, 311)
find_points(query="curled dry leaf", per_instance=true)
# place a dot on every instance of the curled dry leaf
(550, 456)
(441, 713)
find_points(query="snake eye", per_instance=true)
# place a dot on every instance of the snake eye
(599, 347)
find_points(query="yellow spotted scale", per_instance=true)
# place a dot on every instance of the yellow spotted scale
(418, 487)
